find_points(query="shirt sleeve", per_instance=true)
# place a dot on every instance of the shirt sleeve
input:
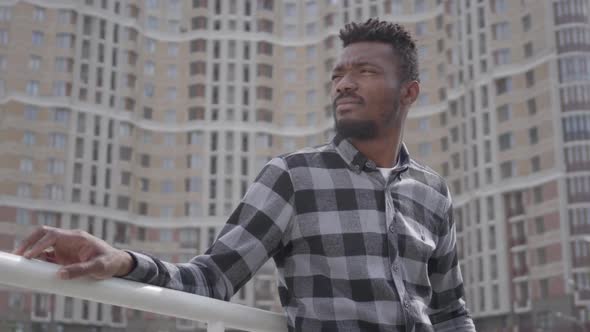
(447, 310)
(253, 233)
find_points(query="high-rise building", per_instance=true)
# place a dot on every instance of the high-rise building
(143, 122)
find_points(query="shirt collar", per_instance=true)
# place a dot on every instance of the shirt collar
(359, 162)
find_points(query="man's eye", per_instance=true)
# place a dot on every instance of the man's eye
(367, 71)
(335, 77)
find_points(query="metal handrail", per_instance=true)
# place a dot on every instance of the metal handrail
(41, 276)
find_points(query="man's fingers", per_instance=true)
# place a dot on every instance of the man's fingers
(93, 267)
(47, 256)
(46, 241)
(30, 240)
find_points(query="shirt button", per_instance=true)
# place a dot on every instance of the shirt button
(407, 304)
(395, 268)
(356, 168)
(392, 228)
(370, 164)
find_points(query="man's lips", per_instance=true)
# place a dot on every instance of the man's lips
(348, 101)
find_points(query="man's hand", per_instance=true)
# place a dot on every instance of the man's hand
(81, 253)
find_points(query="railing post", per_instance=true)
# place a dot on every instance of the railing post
(215, 327)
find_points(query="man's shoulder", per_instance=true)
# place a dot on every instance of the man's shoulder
(322, 156)
(428, 177)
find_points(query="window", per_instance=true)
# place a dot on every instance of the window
(501, 31)
(425, 149)
(290, 53)
(310, 74)
(3, 37)
(533, 135)
(499, 6)
(289, 75)
(539, 225)
(57, 140)
(152, 23)
(5, 14)
(29, 138)
(168, 163)
(311, 52)
(59, 88)
(64, 16)
(149, 68)
(289, 98)
(530, 78)
(541, 256)
(169, 139)
(150, 45)
(421, 28)
(535, 164)
(39, 14)
(167, 186)
(24, 190)
(32, 88)
(290, 10)
(38, 38)
(53, 192)
(310, 97)
(172, 71)
(61, 65)
(64, 40)
(34, 62)
(55, 166)
(507, 169)
(502, 56)
(532, 106)
(148, 90)
(503, 85)
(26, 165)
(420, 6)
(526, 23)
(504, 113)
(171, 93)
(506, 141)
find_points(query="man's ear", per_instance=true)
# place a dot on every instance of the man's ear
(409, 93)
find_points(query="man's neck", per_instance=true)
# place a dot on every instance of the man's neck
(383, 150)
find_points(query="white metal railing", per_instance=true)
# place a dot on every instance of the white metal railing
(41, 276)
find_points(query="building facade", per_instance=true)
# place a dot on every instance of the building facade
(144, 122)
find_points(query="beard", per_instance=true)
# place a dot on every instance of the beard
(364, 130)
(356, 129)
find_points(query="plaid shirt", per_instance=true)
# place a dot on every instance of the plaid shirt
(354, 251)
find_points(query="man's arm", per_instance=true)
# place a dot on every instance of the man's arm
(253, 234)
(447, 307)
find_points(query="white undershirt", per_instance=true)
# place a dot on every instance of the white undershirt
(387, 171)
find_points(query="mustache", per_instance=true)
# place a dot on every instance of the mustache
(357, 98)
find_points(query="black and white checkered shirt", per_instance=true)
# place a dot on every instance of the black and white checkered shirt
(354, 251)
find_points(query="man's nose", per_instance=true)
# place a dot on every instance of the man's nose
(346, 84)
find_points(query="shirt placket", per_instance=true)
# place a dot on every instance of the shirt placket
(394, 261)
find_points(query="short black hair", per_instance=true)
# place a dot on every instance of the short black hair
(393, 34)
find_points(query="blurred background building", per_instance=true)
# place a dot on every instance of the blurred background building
(144, 122)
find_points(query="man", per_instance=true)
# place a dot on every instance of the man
(362, 236)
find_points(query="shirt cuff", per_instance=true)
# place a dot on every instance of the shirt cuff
(142, 264)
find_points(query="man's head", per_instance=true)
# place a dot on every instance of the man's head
(375, 80)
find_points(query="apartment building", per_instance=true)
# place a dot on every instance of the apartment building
(144, 122)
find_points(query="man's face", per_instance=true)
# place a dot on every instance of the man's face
(365, 90)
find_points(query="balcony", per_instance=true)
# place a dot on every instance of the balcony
(41, 277)
(520, 271)
(579, 229)
(581, 261)
(518, 241)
